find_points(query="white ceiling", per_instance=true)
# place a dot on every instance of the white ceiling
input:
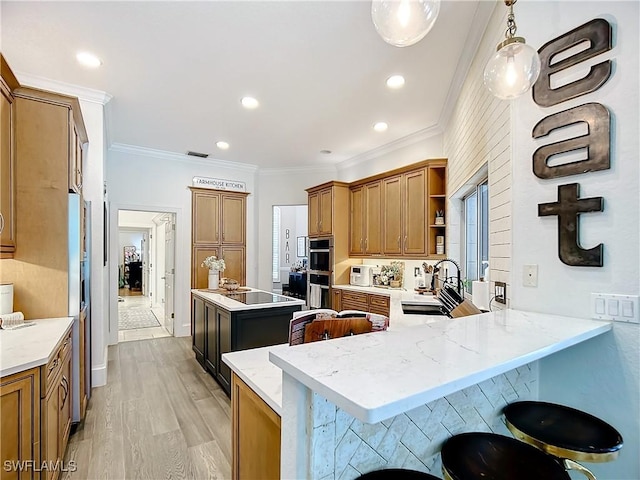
(177, 70)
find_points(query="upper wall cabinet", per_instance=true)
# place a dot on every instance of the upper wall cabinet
(8, 84)
(219, 220)
(390, 213)
(328, 203)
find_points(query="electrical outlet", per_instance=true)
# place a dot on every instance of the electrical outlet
(530, 276)
(500, 292)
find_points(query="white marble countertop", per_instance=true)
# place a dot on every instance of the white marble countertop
(255, 369)
(233, 305)
(32, 346)
(378, 375)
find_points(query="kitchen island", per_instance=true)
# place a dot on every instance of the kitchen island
(389, 399)
(226, 321)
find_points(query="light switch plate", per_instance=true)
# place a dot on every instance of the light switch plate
(617, 308)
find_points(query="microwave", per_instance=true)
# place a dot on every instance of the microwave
(362, 275)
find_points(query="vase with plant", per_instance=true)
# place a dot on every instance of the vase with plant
(439, 217)
(215, 266)
(392, 274)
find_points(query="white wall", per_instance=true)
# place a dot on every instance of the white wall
(601, 376)
(161, 185)
(280, 187)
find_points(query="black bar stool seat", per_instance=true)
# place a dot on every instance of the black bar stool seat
(489, 456)
(563, 431)
(396, 474)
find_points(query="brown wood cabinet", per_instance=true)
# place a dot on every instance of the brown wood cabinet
(255, 435)
(56, 408)
(327, 206)
(336, 301)
(45, 124)
(390, 213)
(218, 228)
(8, 84)
(437, 202)
(366, 302)
(20, 427)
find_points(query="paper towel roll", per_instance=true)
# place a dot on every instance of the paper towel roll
(480, 294)
(6, 298)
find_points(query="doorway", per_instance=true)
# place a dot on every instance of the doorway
(145, 274)
(289, 250)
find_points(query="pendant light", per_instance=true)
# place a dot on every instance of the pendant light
(404, 22)
(515, 67)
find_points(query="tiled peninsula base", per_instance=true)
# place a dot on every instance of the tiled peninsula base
(340, 446)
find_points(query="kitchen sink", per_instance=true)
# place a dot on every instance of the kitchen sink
(422, 308)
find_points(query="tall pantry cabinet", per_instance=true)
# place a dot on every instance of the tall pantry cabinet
(218, 227)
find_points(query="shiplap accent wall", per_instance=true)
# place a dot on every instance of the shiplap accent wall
(478, 134)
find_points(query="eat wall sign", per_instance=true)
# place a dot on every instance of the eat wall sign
(596, 142)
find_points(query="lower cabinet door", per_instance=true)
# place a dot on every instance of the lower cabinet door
(65, 405)
(20, 427)
(211, 351)
(50, 416)
(198, 328)
(255, 433)
(223, 320)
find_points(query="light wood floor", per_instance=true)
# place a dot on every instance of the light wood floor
(160, 416)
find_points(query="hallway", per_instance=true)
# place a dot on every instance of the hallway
(137, 320)
(159, 416)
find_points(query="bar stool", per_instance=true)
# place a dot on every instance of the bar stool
(396, 474)
(564, 432)
(489, 456)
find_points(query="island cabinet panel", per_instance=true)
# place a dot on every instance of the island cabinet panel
(255, 435)
(198, 328)
(211, 361)
(217, 330)
(20, 424)
(225, 344)
(218, 228)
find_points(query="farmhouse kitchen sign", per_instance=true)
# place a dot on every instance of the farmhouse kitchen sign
(597, 141)
(219, 184)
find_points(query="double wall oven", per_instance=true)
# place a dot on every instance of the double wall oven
(320, 272)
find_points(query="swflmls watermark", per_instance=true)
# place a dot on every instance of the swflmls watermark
(44, 466)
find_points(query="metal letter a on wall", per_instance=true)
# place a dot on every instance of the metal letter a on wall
(568, 209)
(596, 141)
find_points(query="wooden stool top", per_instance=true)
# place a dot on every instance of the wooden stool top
(396, 474)
(563, 431)
(488, 456)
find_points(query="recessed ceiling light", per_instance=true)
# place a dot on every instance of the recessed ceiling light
(88, 60)
(249, 102)
(380, 127)
(222, 145)
(395, 81)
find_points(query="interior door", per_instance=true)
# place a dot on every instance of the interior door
(145, 263)
(169, 271)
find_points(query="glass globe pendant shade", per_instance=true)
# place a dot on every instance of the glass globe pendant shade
(404, 22)
(513, 70)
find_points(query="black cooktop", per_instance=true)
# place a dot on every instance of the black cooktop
(253, 298)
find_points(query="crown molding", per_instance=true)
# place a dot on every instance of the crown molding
(483, 13)
(180, 157)
(83, 93)
(405, 141)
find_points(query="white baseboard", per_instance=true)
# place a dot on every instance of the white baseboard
(99, 372)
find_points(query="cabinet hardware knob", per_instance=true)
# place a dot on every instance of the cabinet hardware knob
(1, 223)
(398, 241)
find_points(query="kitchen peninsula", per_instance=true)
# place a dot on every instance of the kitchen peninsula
(388, 399)
(226, 321)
